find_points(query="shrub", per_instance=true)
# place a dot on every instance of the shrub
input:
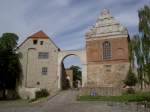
(41, 93)
(130, 91)
(131, 79)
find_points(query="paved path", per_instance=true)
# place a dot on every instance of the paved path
(65, 102)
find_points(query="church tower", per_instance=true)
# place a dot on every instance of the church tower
(107, 52)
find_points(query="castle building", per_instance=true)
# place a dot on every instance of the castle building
(105, 60)
(107, 52)
(39, 63)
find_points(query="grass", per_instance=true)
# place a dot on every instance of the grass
(137, 97)
(21, 102)
(9, 103)
(35, 100)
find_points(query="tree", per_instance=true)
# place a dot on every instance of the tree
(76, 74)
(10, 68)
(144, 21)
(131, 79)
(138, 52)
(144, 30)
(140, 47)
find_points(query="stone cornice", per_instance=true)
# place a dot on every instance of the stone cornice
(107, 37)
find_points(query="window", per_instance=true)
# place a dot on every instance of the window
(38, 83)
(106, 50)
(41, 42)
(107, 68)
(43, 55)
(35, 42)
(44, 70)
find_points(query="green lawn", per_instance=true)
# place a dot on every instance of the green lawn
(13, 103)
(137, 97)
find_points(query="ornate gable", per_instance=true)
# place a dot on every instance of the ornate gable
(106, 25)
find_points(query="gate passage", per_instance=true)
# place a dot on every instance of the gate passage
(82, 55)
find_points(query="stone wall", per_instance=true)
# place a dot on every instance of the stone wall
(107, 75)
(100, 91)
(107, 72)
(32, 65)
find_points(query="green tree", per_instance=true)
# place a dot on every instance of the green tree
(144, 30)
(10, 68)
(144, 21)
(77, 74)
(140, 47)
(131, 79)
(137, 42)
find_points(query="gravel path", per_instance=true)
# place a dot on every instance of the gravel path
(65, 102)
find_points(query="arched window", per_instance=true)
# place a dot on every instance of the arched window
(106, 50)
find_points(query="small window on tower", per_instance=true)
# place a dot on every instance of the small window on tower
(35, 42)
(41, 42)
(43, 55)
(44, 70)
(108, 68)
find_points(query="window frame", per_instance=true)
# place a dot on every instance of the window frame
(42, 55)
(107, 51)
(41, 42)
(35, 42)
(44, 71)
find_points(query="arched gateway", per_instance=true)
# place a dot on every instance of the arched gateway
(82, 55)
(105, 60)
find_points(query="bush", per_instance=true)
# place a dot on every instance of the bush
(9, 95)
(131, 79)
(41, 93)
(130, 91)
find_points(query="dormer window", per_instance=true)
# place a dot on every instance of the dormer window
(35, 42)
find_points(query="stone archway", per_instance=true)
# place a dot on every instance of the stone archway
(82, 55)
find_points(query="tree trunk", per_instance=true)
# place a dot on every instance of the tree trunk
(141, 85)
(4, 93)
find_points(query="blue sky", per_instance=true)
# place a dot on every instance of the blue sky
(65, 21)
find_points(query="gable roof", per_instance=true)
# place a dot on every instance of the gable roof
(38, 35)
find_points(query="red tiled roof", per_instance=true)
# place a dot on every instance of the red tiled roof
(40, 35)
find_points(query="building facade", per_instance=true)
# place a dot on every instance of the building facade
(39, 62)
(69, 75)
(107, 52)
(105, 59)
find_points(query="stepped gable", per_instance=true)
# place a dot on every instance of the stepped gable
(106, 25)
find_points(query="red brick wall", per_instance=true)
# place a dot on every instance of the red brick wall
(119, 48)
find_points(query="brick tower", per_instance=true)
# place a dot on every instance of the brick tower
(107, 52)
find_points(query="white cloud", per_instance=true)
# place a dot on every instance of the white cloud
(63, 19)
(66, 21)
(128, 19)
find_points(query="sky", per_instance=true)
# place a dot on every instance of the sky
(65, 21)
